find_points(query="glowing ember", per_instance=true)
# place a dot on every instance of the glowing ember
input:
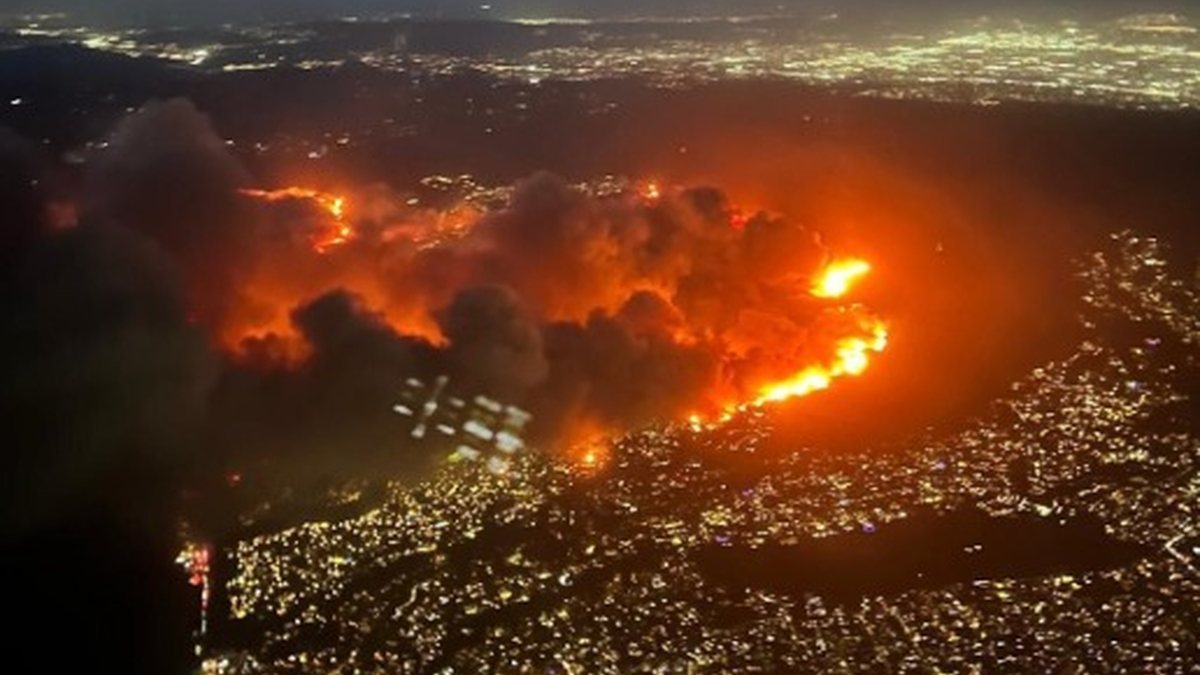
(339, 233)
(591, 457)
(836, 279)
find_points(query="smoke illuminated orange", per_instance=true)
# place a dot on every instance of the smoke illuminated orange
(836, 279)
(853, 358)
(852, 354)
(339, 233)
(770, 353)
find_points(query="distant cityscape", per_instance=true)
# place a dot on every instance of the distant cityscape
(1148, 61)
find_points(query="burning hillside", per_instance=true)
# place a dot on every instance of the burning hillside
(594, 310)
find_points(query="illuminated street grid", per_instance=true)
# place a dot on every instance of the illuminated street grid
(571, 569)
(982, 63)
(1140, 61)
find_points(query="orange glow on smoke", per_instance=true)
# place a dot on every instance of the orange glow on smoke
(340, 230)
(852, 354)
(852, 359)
(772, 355)
(320, 260)
(836, 279)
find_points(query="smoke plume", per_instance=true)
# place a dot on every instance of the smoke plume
(277, 325)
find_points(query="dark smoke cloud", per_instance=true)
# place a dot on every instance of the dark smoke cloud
(100, 369)
(168, 175)
(329, 417)
(103, 393)
(594, 313)
(615, 372)
(644, 309)
(566, 254)
(494, 342)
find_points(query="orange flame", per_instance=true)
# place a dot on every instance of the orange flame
(852, 354)
(836, 279)
(322, 242)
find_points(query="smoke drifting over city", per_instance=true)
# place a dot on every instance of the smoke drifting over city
(266, 345)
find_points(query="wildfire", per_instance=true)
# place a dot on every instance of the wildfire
(852, 355)
(836, 279)
(340, 231)
(763, 352)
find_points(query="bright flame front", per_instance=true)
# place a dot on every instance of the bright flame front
(837, 279)
(852, 354)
